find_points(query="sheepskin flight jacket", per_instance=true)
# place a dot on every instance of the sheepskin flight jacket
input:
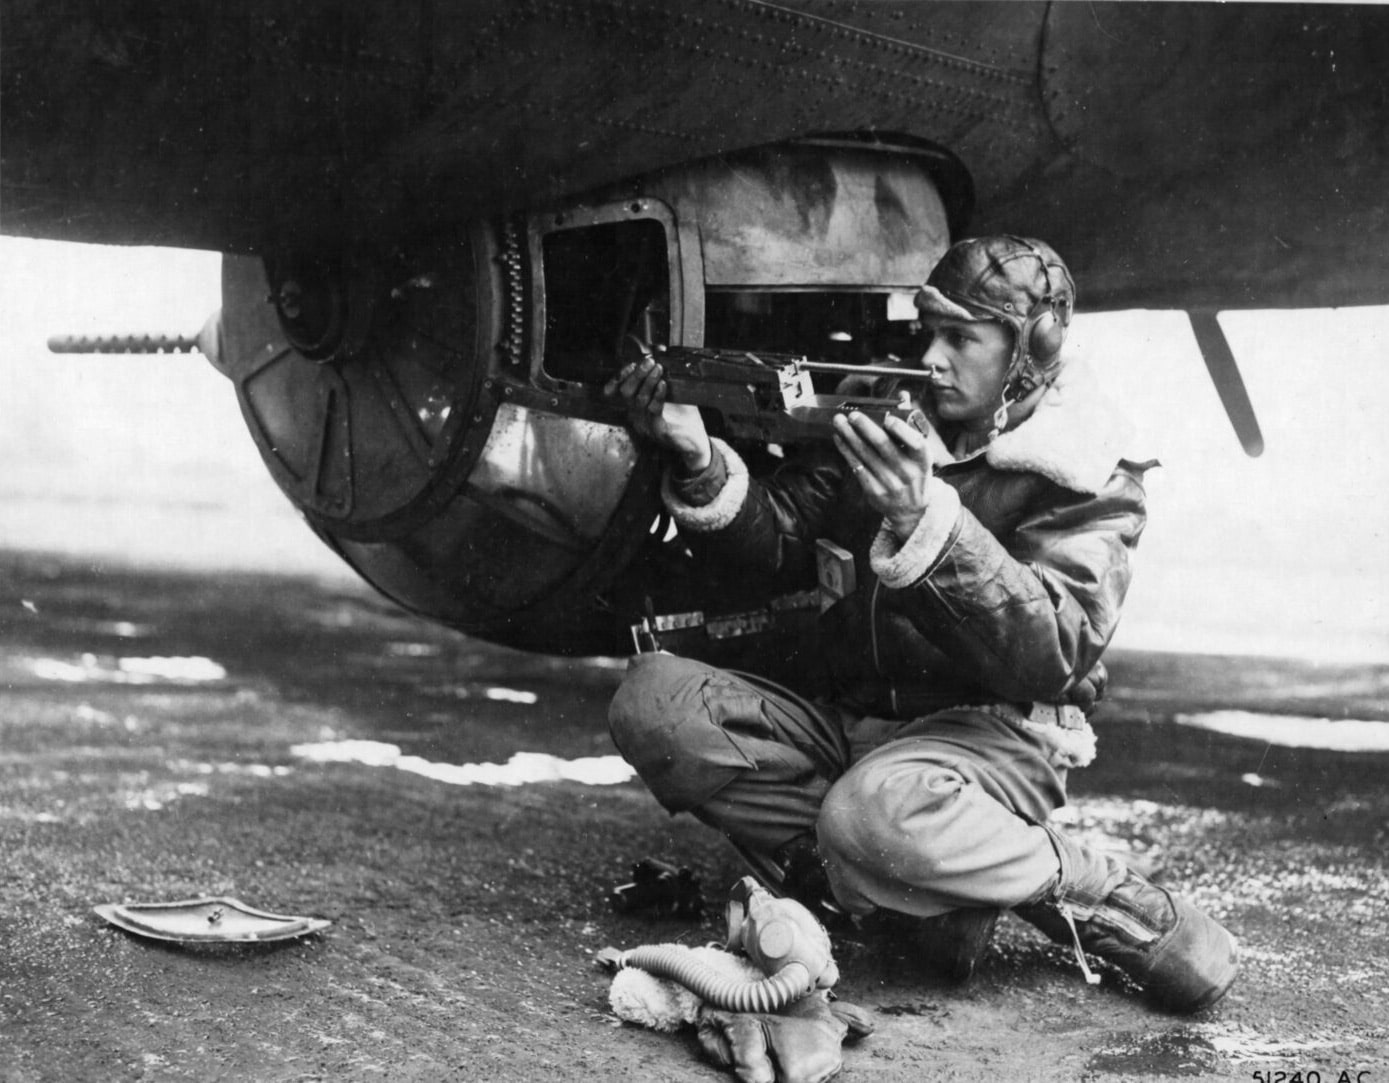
(1007, 592)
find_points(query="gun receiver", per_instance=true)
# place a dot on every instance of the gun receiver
(770, 397)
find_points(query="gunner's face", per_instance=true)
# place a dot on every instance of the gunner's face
(968, 362)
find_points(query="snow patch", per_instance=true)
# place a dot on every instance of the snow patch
(91, 668)
(522, 768)
(1295, 731)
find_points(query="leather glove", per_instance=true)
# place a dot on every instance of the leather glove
(1089, 690)
(799, 1044)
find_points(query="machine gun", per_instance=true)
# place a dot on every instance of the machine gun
(770, 397)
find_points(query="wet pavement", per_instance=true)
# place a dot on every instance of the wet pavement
(164, 736)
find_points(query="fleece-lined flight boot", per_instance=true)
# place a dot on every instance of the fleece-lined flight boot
(1182, 957)
(949, 945)
(954, 943)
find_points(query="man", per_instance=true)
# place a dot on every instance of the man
(992, 560)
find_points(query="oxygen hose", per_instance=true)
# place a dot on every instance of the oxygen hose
(780, 936)
(673, 961)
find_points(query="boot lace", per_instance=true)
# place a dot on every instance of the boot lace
(1091, 978)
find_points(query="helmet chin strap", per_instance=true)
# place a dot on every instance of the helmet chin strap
(1017, 388)
(1000, 416)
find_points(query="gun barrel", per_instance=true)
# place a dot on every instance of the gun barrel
(123, 344)
(864, 370)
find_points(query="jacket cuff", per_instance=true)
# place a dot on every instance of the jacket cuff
(720, 511)
(900, 564)
(699, 489)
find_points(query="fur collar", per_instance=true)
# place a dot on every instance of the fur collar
(1075, 437)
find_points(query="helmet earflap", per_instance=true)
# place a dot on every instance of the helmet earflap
(1045, 330)
(1046, 335)
(1041, 335)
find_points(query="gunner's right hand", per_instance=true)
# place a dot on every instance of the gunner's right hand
(642, 389)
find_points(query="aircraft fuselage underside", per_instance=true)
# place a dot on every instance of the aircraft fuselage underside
(436, 411)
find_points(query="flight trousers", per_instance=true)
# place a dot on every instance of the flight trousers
(921, 817)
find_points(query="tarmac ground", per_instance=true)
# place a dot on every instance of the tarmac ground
(152, 747)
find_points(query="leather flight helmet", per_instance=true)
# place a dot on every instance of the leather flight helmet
(1018, 281)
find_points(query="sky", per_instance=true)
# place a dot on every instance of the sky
(1283, 553)
(130, 457)
(147, 458)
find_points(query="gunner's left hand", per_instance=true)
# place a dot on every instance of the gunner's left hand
(892, 463)
(642, 389)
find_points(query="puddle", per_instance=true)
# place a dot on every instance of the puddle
(1198, 1050)
(140, 793)
(251, 770)
(121, 629)
(1295, 731)
(154, 798)
(1168, 1053)
(104, 669)
(1240, 1045)
(493, 692)
(522, 768)
(160, 795)
(605, 662)
(510, 695)
(414, 650)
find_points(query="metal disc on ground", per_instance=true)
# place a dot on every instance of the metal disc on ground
(211, 920)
